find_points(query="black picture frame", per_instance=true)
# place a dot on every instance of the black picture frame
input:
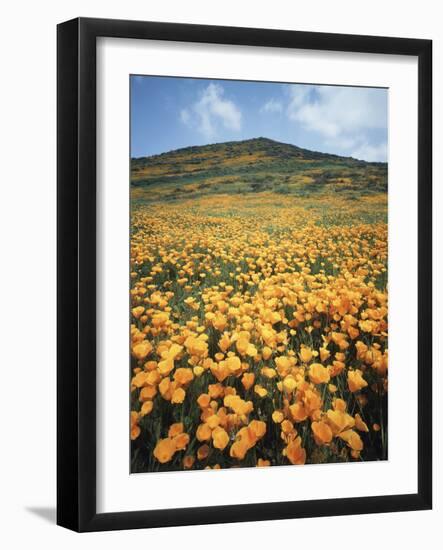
(76, 266)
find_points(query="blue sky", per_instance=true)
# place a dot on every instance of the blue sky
(168, 113)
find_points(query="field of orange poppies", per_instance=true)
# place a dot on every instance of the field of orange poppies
(259, 331)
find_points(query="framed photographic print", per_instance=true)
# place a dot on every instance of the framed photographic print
(244, 274)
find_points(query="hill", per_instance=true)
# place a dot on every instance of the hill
(252, 166)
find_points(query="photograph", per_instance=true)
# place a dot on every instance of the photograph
(258, 274)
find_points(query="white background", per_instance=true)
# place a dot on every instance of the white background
(117, 490)
(27, 300)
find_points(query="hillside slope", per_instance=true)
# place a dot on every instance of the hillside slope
(254, 165)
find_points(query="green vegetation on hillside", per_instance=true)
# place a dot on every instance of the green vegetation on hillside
(253, 166)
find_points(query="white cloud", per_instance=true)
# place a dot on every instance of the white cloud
(298, 96)
(211, 110)
(185, 117)
(343, 142)
(371, 153)
(336, 110)
(272, 106)
(343, 117)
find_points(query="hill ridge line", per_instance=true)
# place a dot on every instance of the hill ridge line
(254, 141)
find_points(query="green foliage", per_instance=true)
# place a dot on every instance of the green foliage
(254, 166)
